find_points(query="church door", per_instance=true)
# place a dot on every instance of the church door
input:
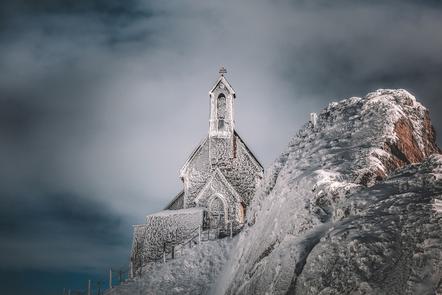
(217, 213)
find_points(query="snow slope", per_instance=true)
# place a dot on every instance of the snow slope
(309, 196)
(192, 273)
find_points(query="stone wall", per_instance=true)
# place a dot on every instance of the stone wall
(168, 226)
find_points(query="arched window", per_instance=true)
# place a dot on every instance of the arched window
(221, 110)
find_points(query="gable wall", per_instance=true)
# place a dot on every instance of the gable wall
(217, 187)
(241, 172)
(238, 167)
(196, 174)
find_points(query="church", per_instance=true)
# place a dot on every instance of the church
(222, 173)
(219, 180)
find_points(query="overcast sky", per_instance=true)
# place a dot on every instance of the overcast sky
(101, 102)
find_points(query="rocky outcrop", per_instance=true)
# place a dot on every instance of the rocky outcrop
(406, 149)
(319, 204)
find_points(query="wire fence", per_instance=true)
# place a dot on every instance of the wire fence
(173, 249)
(115, 277)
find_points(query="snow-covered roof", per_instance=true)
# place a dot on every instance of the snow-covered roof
(165, 213)
(179, 195)
(192, 155)
(198, 148)
(249, 151)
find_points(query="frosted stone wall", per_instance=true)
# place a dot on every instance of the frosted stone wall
(239, 168)
(168, 226)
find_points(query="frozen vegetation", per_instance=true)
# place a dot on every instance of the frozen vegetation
(349, 208)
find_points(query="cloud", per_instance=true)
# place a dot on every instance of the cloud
(103, 102)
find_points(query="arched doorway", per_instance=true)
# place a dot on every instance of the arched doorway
(217, 212)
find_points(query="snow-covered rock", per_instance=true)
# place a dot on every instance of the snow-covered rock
(390, 243)
(309, 195)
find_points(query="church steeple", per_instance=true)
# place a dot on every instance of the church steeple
(222, 95)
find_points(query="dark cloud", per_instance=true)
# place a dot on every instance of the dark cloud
(60, 231)
(102, 101)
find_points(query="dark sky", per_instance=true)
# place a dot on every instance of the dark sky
(101, 102)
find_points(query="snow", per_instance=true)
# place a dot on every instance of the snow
(171, 213)
(331, 216)
(192, 273)
(393, 245)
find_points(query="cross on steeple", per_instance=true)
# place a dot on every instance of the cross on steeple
(222, 71)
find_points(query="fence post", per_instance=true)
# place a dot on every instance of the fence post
(182, 249)
(89, 287)
(131, 270)
(199, 235)
(64, 291)
(231, 228)
(69, 292)
(110, 278)
(164, 252)
(173, 252)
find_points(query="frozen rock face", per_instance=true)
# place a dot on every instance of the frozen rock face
(391, 243)
(330, 218)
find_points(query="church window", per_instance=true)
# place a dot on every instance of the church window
(221, 110)
(221, 106)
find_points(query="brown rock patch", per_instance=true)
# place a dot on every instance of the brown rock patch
(406, 150)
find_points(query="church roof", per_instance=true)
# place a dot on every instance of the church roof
(192, 155)
(179, 195)
(198, 148)
(248, 150)
(225, 82)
